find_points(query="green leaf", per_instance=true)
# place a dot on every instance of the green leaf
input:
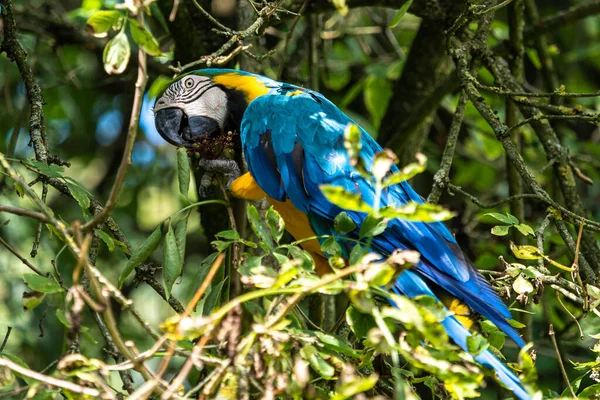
(400, 14)
(316, 362)
(356, 254)
(41, 284)
(212, 297)
(144, 38)
(407, 172)
(504, 218)
(62, 317)
(258, 227)
(525, 252)
(362, 300)
(359, 322)
(220, 245)
(516, 324)
(122, 245)
(379, 275)
(377, 95)
(575, 384)
(343, 224)
(331, 247)
(476, 344)
(141, 254)
(500, 230)
(275, 224)
(102, 21)
(496, 339)
(80, 194)
(522, 285)
(110, 243)
(352, 387)
(336, 344)
(344, 199)
(229, 235)
(297, 253)
(405, 311)
(372, 226)
(45, 169)
(19, 189)
(116, 54)
(525, 229)
(183, 171)
(422, 212)
(158, 86)
(534, 58)
(32, 299)
(172, 263)
(589, 391)
(180, 237)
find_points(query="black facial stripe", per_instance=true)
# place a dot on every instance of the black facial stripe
(189, 99)
(192, 92)
(178, 90)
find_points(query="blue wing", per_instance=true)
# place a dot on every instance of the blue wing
(294, 143)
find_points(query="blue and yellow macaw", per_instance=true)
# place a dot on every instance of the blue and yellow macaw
(293, 142)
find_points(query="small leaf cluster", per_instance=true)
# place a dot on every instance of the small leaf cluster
(117, 51)
(509, 221)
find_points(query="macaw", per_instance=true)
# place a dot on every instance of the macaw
(293, 142)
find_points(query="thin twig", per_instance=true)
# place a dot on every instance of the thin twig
(8, 330)
(237, 38)
(288, 37)
(457, 189)
(559, 92)
(211, 18)
(50, 381)
(174, 10)
(594, 119)
(492, 8)
(440, 179)
(23, 212)
(20, 257)
(565, 17)
(140, 87)
(560, 361)
(207, 281)
(565, 309)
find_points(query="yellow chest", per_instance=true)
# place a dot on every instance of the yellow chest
(296, 222)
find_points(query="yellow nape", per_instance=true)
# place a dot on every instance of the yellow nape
(251, 86)
(245, 187)
(296, 222)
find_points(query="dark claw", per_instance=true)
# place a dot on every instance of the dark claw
(205, 189)
(223, 167)
(205, 192)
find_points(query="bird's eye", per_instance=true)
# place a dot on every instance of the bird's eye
(189, 83)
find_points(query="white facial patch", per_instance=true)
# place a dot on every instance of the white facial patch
(212, 104)
(197, 97)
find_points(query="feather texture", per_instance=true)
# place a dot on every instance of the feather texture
(293, 143)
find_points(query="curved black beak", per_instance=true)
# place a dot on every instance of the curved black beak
(179, 129)
(168, 123)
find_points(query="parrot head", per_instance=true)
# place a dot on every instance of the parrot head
(194, 108)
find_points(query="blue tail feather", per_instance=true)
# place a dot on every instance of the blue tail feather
(411, 285)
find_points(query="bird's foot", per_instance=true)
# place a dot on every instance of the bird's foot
(216, 168)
